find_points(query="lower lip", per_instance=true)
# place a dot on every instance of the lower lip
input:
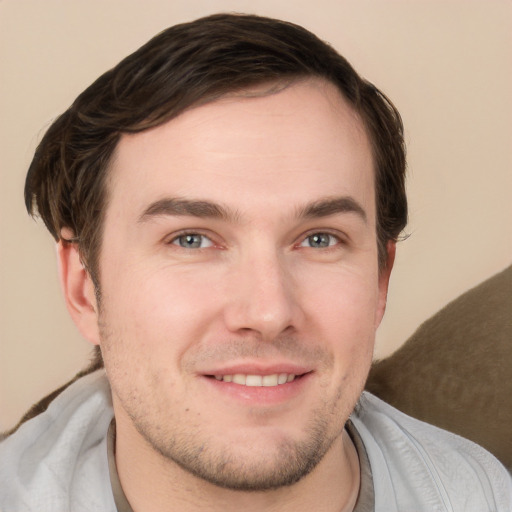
(260, 395)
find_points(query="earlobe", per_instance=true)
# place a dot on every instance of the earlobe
(384, 275)
(78, 290)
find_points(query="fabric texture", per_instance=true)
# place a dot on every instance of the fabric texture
(365, 500)
(58, 461)
(421, 468)
(454, 371)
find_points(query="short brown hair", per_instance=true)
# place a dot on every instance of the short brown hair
(186, 65)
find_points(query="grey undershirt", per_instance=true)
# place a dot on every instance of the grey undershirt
(365, 500)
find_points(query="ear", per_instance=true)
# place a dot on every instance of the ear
(384, 275)
(78, 290)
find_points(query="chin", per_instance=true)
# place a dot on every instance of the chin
(267, 462)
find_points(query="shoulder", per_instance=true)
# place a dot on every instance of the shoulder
(422, 467)
(54, 458)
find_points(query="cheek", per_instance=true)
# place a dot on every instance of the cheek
(156, 311)
(346, 301)
(345, 314)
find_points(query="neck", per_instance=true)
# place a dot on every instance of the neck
(151, 482)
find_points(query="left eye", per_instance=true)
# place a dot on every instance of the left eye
(192, 241)
(319, 240)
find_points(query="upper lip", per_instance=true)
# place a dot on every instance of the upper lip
(258, 369)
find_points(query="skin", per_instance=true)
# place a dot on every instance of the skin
(271, 283)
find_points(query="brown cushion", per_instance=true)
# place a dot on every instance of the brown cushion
(456, 370)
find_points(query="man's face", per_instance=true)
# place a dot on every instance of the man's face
(240, 285)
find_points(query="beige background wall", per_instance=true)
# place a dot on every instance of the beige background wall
(446, 64)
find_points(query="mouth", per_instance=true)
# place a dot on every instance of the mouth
(268, 381)
(257, 386)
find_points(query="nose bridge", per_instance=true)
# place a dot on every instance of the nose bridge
(262, 294)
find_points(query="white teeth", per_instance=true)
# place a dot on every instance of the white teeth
(254, 380)
(257, 380)
(283, 377)
(238, 378)
(270, 380)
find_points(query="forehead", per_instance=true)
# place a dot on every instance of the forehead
(301, 141)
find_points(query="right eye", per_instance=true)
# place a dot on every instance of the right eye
(320, 240)
(192, 241)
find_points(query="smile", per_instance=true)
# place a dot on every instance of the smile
(276, 379)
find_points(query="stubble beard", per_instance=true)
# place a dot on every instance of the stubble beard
(228, 463)
(220, 461)
(226, 467)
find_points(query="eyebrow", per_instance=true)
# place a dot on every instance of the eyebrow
(173, 206)
(332, 206)
(185, 207)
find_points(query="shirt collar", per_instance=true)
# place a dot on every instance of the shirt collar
(365, 500)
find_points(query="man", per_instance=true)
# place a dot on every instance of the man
(226, 203)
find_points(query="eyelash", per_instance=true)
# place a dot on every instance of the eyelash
(331, 237)
(338, 240)
(175, 239)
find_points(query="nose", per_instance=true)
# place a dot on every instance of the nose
(262, 298)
